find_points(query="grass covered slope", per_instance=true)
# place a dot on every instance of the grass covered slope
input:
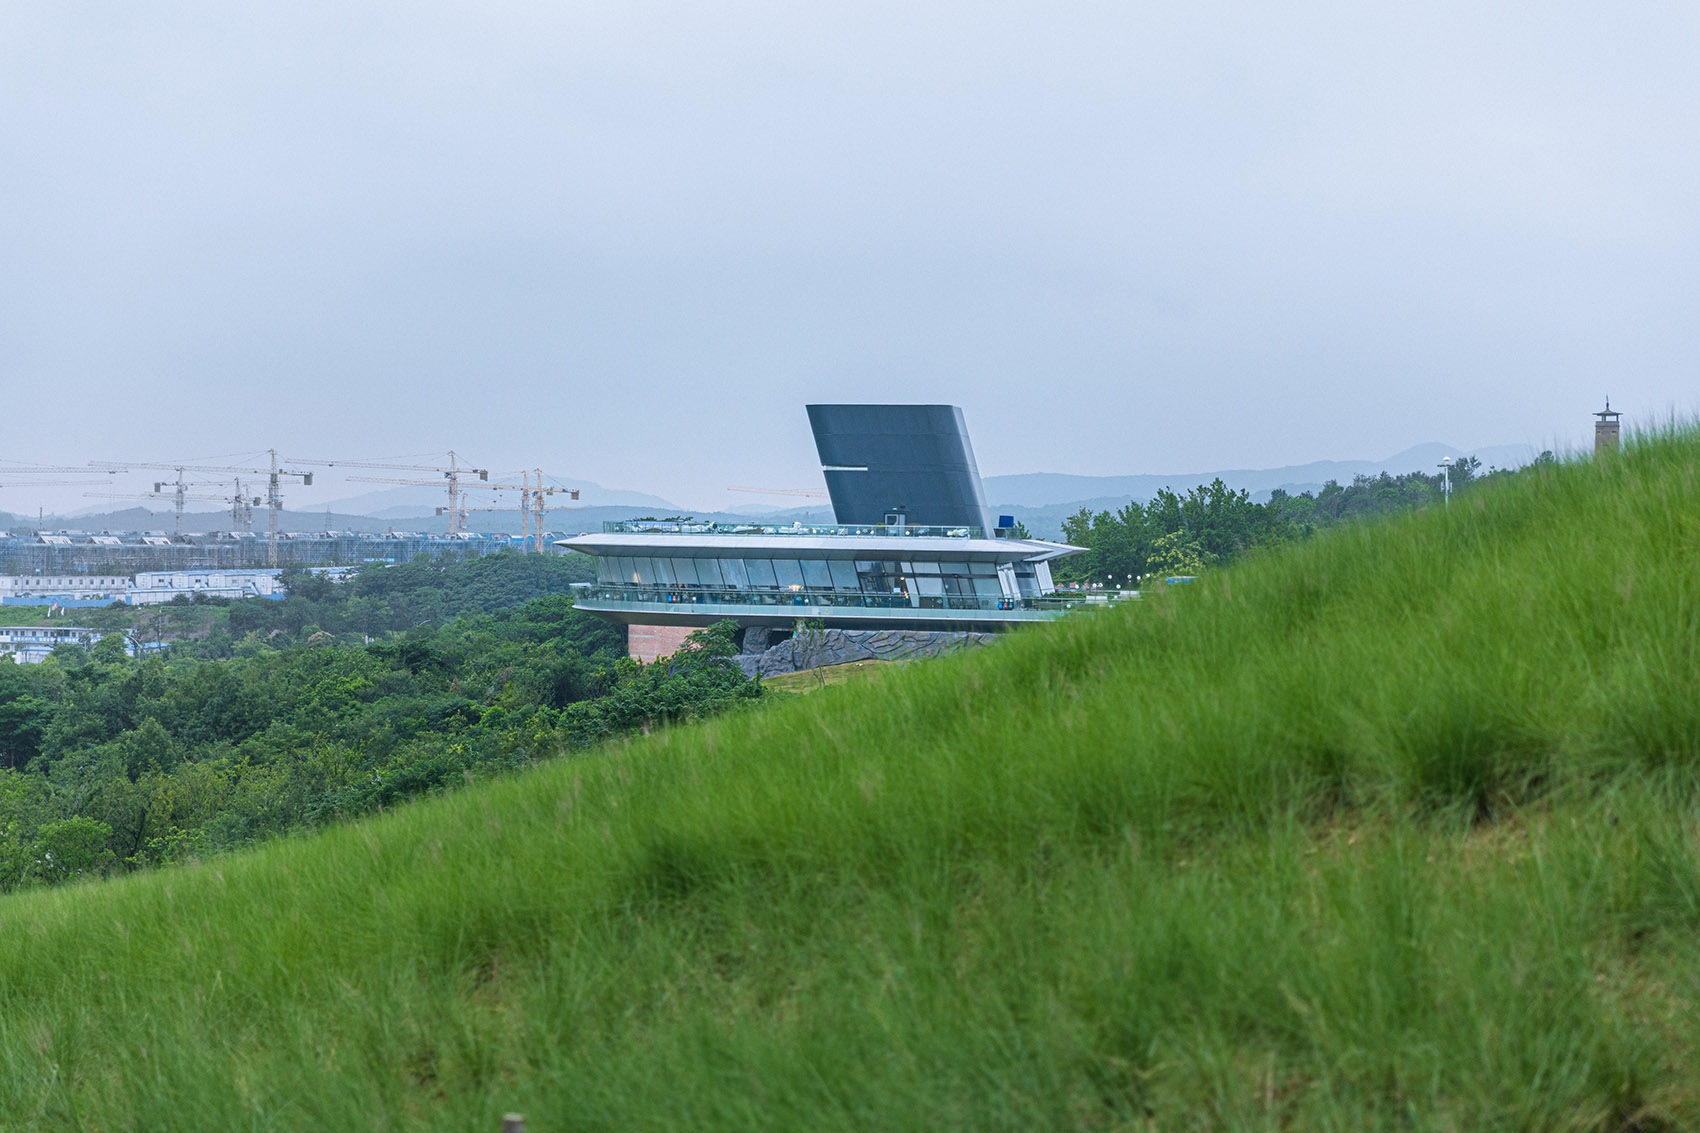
(1395, 829)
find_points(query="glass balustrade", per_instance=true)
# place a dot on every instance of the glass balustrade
(838, 599)
(673, 527)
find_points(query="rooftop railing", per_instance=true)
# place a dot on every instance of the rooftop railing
(678, 527)
(848, 599)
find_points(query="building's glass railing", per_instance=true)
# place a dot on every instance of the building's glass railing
(676, 527)
(1056, 603)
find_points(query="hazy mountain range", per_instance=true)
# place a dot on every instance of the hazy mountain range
(1042, 489)
(414, 501)
(1040, 500)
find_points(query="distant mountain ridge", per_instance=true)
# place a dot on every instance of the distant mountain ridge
(411, 502)
(576, 520)
(1040, 500)
(1050, 489)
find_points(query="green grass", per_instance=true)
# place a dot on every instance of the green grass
(1396, 829)
(813, 680)
(176, 621)
(80, 617)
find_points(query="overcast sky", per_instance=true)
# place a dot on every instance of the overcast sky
(629, 241)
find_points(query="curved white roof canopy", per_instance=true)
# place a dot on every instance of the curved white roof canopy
(926, 547)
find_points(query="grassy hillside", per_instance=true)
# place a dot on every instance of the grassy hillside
(1394, 829)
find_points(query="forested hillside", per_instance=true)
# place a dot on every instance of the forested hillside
(109, 764)
(1213, 525)
(368, 601)
(1391, 828)
(391, 598)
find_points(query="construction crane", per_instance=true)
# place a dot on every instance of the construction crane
(9, 470)
(780, 492)
(453, 473)
(180, 493)
(274, 494)
(52, 484)
(240, 503)
(241, 507)
(37, 469)
(181, 485)
(32, 469)
(539, 507)
(533, 506)
(456, 511)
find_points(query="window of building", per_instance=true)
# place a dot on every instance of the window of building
(880, 576)
(816, 574)
(761, 573)
(789, 572)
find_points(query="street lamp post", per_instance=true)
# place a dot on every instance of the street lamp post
(1446, 482)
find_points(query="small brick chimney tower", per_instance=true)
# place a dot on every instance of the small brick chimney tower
(1605, 429)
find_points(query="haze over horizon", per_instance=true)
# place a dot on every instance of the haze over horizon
(628, 242)
(1032, 495)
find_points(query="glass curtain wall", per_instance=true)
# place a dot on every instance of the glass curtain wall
(867, 576)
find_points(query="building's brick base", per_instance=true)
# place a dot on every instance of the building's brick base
(651, 643)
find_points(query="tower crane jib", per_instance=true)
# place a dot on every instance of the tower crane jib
(274, 493)
(453, 473)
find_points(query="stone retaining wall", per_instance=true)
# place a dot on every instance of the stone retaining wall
(840, 646)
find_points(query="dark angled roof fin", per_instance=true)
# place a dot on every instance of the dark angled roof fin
(876, 457)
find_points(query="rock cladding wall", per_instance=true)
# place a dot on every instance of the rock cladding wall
(840, 646)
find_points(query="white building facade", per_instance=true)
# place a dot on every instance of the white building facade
(29, 645)
(145, 589)
(113, 586)
(153, 587)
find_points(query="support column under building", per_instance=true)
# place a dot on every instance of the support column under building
(651, 643)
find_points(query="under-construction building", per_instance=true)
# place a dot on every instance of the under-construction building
(79, 552)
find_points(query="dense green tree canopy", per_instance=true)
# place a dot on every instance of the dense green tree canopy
(290, 718)
(1212, 524)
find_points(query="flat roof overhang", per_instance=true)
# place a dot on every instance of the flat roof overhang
(835, 617)
(932, 547)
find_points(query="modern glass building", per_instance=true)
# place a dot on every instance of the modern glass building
(912, 571)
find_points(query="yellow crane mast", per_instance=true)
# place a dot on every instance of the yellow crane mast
(453, 473)
(533, 505)
(274, 494)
